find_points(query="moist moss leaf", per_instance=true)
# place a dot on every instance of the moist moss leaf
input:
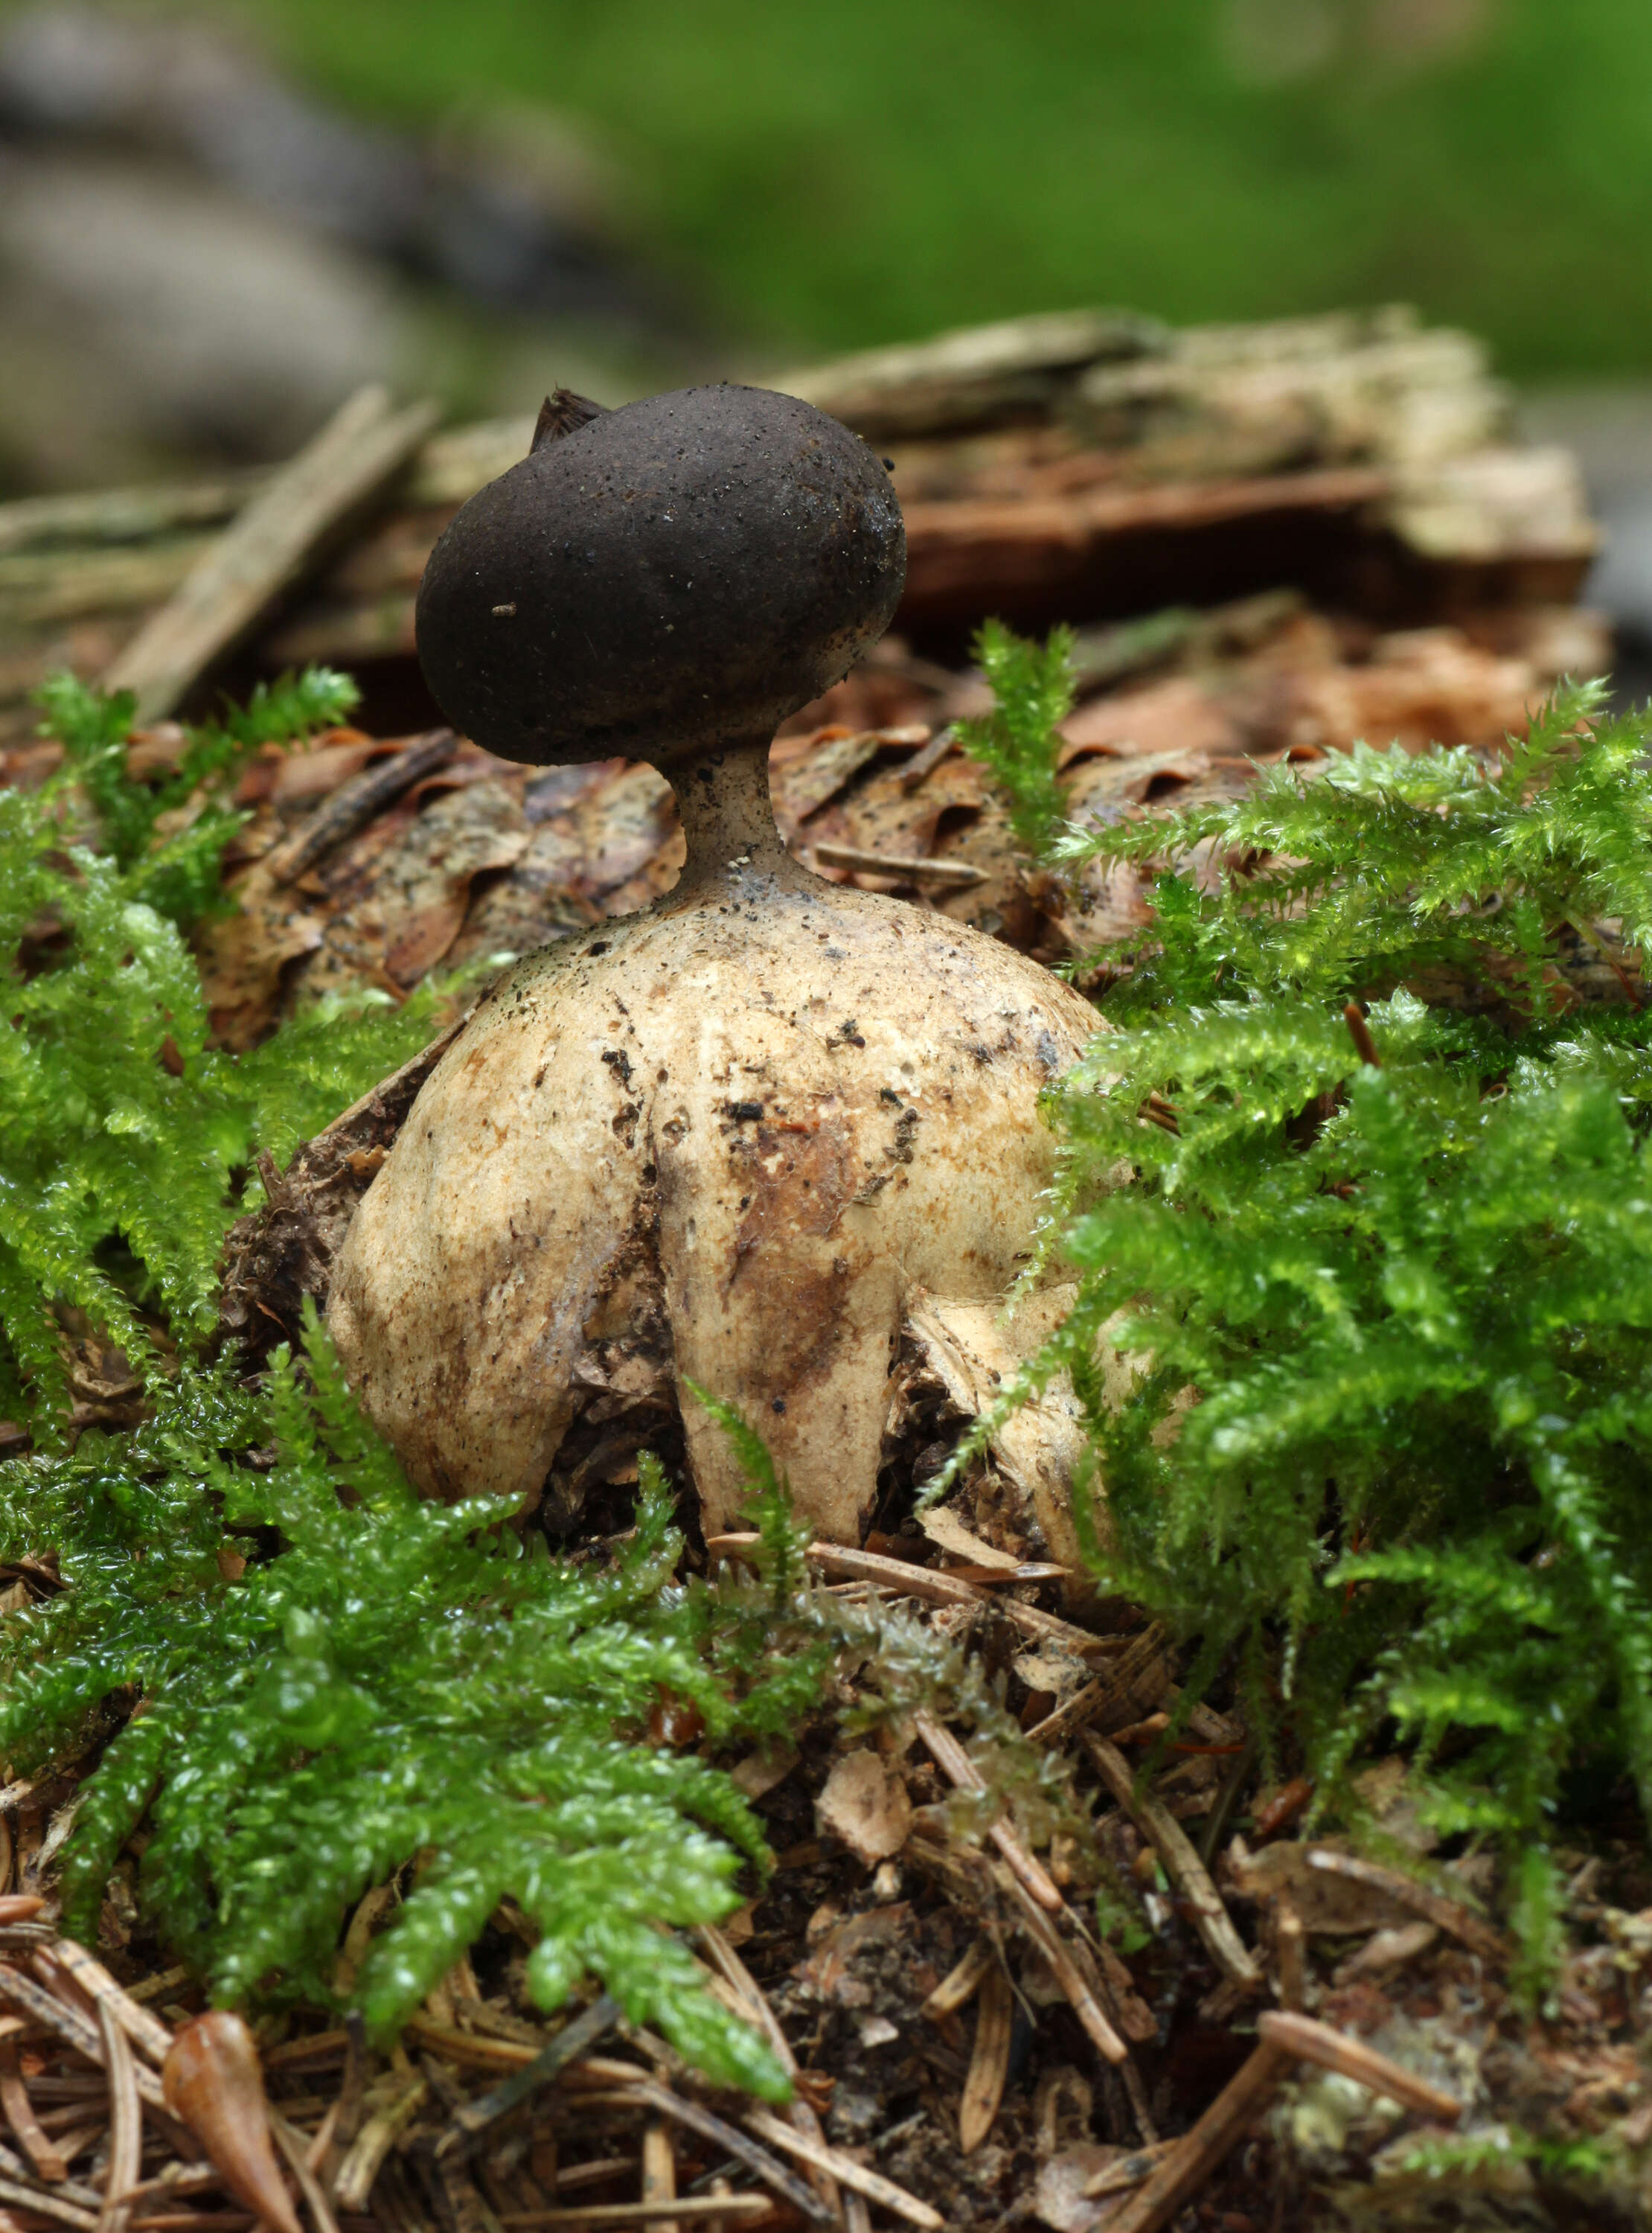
(1389, 1449)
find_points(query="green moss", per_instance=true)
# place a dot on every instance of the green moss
(1390, 1458)
(1032, 690)
(124, 1136)
(398, 1681)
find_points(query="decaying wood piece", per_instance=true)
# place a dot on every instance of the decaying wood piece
(1368, 385)
(111, 517)
(1080, 465)
(976, 376)
(355, 453)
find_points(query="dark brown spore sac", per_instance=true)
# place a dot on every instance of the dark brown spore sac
(678, 575)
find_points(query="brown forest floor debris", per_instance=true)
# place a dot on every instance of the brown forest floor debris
(942, 2023)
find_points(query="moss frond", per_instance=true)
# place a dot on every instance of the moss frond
(123, 1133)
(1033, 689)
(1392, 1439)
(400, 1682)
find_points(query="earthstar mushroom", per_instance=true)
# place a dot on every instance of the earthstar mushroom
(730, 1138)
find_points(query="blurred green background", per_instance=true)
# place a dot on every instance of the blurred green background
(827, 175)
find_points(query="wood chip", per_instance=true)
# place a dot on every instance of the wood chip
(948, 1532)
(1331, 2049)
(1456, 1920)
(68, 2024)
(147, 2032)
(1199, 2151)
(958, 1987)
(1182, 1865)
(989, 2062)
(46, 2159)
(126, 2119)
(961, 1771)
(844, 2169)
(269, 545)
(374, 2143)
(698, 2209)
(954, 875)
(864, 1804)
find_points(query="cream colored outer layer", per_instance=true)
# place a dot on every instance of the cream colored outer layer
(775, 1121)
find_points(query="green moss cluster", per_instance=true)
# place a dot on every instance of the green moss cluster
(124, 1138)
(1385, 1269)
(389, 1681)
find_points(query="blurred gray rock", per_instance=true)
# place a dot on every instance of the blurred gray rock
(197, 258)
(198, 323)
(1608, 427)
